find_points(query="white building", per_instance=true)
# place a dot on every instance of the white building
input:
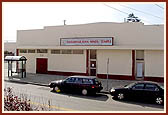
(134, 50)
(10, 47)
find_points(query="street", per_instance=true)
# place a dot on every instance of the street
(41, 95)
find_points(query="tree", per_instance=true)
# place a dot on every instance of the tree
(132, 18)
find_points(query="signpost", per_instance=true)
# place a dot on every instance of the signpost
(107, 72)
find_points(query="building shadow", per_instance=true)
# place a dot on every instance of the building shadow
(141, 103)
(97, 96)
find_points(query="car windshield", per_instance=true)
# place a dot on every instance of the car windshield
(161, 86)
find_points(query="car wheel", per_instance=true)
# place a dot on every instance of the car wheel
(56, 89)
(159, 100)
(120, 96)
(84, 92)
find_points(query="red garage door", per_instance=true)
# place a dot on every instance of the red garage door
(41, 65)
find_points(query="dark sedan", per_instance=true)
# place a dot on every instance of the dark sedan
(140, 91)
(83, 84)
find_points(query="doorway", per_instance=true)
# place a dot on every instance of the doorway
(41, 65)
(92, 62)
(139, 64)
(139, 70)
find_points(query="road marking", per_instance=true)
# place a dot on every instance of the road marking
(52, 106)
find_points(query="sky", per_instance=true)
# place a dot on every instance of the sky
(36, 15)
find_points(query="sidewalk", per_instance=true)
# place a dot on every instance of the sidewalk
(45, 79)
(36, 79)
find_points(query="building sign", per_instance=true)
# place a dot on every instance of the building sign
(92, 41)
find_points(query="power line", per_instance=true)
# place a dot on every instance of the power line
(159, 6)
(123, 12)
(116, 9)
(141, 11)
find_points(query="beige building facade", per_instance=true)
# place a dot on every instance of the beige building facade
(10, 46)
(126, 51)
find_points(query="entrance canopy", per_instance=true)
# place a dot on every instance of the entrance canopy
(15, 58)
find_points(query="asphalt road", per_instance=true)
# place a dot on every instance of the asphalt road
(42, 96)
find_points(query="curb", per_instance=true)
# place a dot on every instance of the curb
(46, 85)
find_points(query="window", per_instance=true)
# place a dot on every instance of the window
(66, 51)
(87, 81)
(151, 87)
(140, 64)
(92, 54)
(23, 51)
(31, 51)
(77, 51)
(138, 86)
(42, 50)
(78, 80)
(71, 80)
(140, 55)
(55, 51)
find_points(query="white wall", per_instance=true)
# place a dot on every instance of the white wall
(57, 62)
(67, 62)
(10, 46)
(129, 34)
(154, 63)
(120, 62)
(31, 37)
(31, 62)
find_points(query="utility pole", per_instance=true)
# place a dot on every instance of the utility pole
(64, 22)
(107, 72)
(124, 19)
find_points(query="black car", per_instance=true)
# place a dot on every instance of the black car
(83, 84)
(148, 91)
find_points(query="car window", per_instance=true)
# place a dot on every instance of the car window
(138, 86)
(78, 80)
(71, 80)
(129, 85)
(87, 81)
(151, 87)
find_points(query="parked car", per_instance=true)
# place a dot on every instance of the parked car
(83, 84)
(143, 90)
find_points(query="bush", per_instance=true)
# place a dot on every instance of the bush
(14, 103)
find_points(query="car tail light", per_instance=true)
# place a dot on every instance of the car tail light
(93, 87)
